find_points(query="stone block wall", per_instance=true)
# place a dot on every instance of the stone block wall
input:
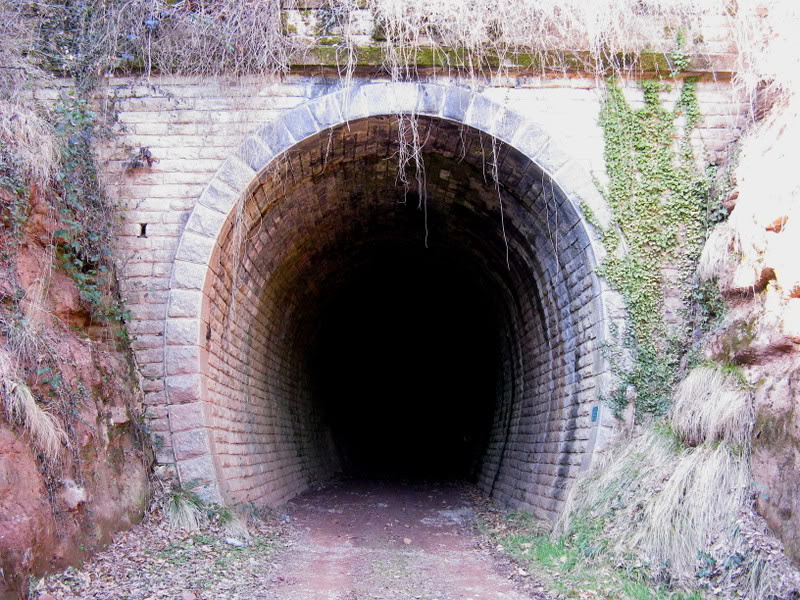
(313, 220)
(234, 411)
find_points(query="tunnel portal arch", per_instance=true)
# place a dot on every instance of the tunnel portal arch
(271, 232)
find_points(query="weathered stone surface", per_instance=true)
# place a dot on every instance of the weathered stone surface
(531, 140)
(256, 152)
(276, 137)
(183, 332)
(218, 197)
(456, 103)
(235, 173)
(188, 276)
(72, 494)
(195, 248)
(183, 360)
(191, 443)
(431, 98)
(300, 123)
(183, 389)
(197, 470)
(119, 415)
(184, 417)
(185, 303)
(776, 454)
(205, 221)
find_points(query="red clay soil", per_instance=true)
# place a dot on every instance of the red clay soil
(368, 541)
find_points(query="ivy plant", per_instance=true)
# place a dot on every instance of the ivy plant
(658, 199)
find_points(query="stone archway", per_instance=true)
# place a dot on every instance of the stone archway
(320, 205)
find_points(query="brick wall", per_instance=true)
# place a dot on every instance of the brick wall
(224, 372)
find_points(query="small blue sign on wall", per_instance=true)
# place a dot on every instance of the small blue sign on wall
(595, 413)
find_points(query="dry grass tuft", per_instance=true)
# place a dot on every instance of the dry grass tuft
(27, 141)
(710, 405)
(699, 502)
(717, 255)
(43, 428)
(234, 524)
(185, 511)
(653, 497)
(614, 480)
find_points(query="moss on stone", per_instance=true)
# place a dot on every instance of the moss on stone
(373, 55)
(331, 40)
(736, 340)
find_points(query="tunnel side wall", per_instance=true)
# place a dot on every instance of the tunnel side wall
(543, 429)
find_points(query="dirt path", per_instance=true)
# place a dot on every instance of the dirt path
(346, 541)
(367, 541)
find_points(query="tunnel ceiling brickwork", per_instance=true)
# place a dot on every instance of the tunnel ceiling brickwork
(321, 200)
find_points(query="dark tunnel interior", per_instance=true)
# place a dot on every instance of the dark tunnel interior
(404, 367)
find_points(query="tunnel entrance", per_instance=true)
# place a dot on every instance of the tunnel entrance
(405, 366)
(369, 315)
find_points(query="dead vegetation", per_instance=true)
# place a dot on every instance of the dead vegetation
(156, 560)
(239, 37)
(489, 35)
(27, 139)
(673, 493)
(184, 510)
(676, 497)
(226, 37)
(711, 405)
(701, 498)
(20, 407)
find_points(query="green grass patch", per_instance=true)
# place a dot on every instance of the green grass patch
(574, 567)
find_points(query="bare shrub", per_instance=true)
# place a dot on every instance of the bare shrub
(17, 36)
(481, 37)
(224, 37)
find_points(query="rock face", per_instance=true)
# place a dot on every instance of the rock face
(776, 457)
(759, 276)
(53, 512)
